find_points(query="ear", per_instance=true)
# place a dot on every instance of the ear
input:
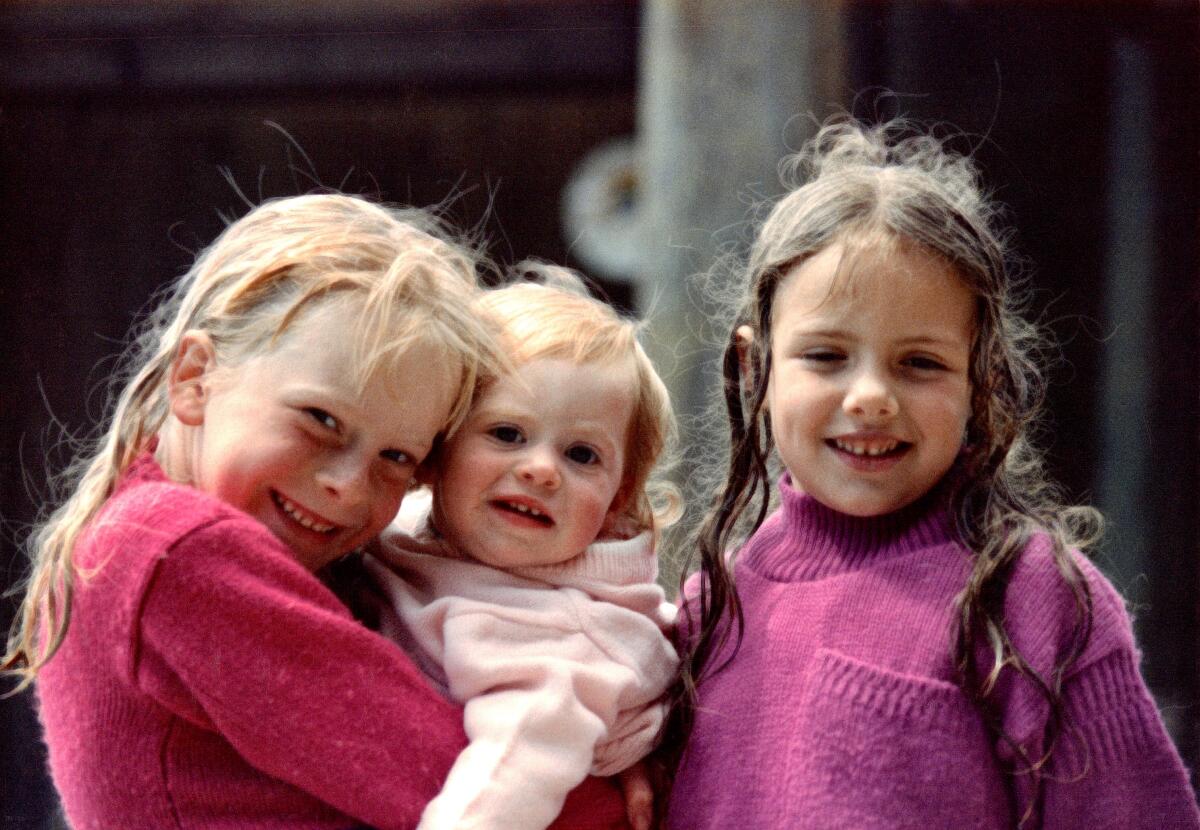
(188, 382)
(744, 338)
(618, 525)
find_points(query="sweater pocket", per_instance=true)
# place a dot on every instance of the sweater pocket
(882, 749)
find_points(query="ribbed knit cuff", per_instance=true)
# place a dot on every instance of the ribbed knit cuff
(1113, 716)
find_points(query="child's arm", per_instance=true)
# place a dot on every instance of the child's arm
(629, 739)
(235, 637)
(540, 697)
(594, 670)
(1113, 764)
(1118, 766)
(529, 747)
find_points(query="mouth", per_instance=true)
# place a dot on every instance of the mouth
(870, 449)
(523, 511)
(308, 521)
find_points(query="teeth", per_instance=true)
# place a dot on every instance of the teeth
(864, 448)
(521, 508)
(304, 519)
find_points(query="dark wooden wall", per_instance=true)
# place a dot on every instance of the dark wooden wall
(117, 120)
(1086, 122)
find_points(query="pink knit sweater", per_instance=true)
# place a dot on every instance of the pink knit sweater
(562, 667)
(208, 681)
(841, 708)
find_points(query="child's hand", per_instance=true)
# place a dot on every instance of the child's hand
(639, 796)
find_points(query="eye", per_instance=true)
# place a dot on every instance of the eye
(506, 434)
(322, 417)
(583, 454)
(397, 456)
(823, 357)
(925, 363)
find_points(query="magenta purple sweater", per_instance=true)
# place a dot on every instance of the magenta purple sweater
(841, 708)
(208, 682)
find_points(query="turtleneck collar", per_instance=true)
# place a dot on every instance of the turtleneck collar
(812, 541)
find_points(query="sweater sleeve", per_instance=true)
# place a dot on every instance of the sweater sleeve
(235, 636)
(539, 699)
(1113, 765)
(1116, 767)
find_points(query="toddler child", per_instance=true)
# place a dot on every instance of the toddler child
(912, 639)
(191, 669)
(524, 584)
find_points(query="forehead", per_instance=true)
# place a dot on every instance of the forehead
(592, 395)
(870, 285)
(322, 349)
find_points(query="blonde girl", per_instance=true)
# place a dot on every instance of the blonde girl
(911, 637)
(191, 669)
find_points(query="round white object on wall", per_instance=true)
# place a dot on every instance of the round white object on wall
(601, 211)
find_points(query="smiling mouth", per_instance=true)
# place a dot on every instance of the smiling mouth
(301, 518)
(524, 510)
(887, 448)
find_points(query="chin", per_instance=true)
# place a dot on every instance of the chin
(860, 511)
(866, 508)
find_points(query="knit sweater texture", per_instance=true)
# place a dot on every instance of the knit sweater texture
(561, 667)
(208, 682)
(841, 709)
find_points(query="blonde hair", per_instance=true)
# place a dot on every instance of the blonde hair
(555, 317)
(413, 280)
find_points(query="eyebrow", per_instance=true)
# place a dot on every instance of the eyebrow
(494, 412)
(321, 393)
(832, 334)
(947, 341)
(594, 433)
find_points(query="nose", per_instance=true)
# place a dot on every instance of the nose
(345, 476)
(539, 466)
(870, 397)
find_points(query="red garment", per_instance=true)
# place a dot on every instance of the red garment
(208, 681)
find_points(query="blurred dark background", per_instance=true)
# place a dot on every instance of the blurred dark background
(651, 126)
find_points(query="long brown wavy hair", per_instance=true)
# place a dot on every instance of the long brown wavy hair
(893, 183)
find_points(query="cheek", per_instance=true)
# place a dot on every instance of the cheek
(385, 506)
(458, 477)
(594, 503)
(952, 412)
(962, 405)
(797, 405)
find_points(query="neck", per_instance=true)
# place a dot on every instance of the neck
(172, 453)
(815, 541)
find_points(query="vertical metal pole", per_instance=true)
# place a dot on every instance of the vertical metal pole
(1127, 359)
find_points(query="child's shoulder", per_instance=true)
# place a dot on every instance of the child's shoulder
(1042, 599)
(1038, 567)
(158, 548)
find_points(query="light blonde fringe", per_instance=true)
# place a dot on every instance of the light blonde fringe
(555, 317)
(414, 281)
